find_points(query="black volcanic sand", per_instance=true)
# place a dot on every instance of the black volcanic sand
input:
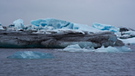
(69, 64)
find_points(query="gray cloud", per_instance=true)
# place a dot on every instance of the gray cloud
(114, 12)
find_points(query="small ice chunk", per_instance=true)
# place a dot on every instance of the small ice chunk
(30, 55)
(18, 24)
(1, 27)
(113, 49)
(75, 48)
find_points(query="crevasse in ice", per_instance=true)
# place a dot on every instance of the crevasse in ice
(105, 27)
(30, 55)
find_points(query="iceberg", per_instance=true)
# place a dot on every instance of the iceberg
(113, 49)
(18, 24)
(105, 27)
(56, 24)
(30, 55)
(77, 48)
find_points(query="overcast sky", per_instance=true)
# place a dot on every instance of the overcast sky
(113, 12)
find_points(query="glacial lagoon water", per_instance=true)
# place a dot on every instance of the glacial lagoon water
(68, 63)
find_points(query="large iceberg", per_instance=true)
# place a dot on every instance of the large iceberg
(54, 24)
(30, 55)
(77, 48)
(43, 26)
(105, 27)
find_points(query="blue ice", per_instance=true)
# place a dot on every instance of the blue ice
(30, 55)
(18, 24)
(55, 23)
(105, 27)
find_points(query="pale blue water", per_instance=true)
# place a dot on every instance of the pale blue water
(68, 64)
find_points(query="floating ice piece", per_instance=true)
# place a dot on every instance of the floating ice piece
(18, 24)
(30, 55)
(105, 27)
(77, 48)
(113, 49)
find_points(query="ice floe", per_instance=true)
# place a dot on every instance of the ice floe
(77, 48)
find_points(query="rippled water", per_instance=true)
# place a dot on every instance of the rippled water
(69, 64)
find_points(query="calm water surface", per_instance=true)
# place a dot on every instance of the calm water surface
(68, 64)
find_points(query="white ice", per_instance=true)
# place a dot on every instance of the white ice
(77, 48)
(113, 49)
(50, 24)
(19, 25)
(128, 41)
